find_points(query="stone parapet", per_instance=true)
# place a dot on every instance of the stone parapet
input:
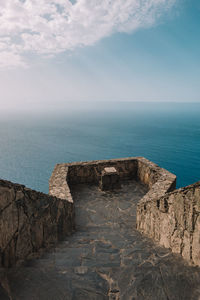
(158, 180)
(90, 172)
(173, 219)
(58, 186)
(30, 221)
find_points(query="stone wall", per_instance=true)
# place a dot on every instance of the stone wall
(170, 217)
(29, 221)
(174, 221)
(90, 172)
(58, 185)
(158, 180)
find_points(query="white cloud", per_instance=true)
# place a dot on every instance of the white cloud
(10, 59)
(47, 27)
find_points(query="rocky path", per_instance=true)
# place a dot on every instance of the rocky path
(105, 259)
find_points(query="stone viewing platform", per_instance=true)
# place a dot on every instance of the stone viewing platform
(81, 241)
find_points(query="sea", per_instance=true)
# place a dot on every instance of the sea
(33, 141)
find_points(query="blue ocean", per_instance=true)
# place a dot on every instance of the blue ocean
(31, 143)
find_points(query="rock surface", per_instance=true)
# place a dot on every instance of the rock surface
(30, 221)
(174, 221)
(106, 258)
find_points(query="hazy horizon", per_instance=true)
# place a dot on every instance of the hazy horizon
(32, 143)
(75, 107)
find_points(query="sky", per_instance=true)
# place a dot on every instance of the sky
(59, 52)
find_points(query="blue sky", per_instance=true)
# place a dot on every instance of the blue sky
(148, 56)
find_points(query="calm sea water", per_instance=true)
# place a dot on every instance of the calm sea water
(168, 134)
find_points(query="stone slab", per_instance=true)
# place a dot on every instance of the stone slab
(110, 170)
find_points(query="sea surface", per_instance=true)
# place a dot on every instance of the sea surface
(31, 143)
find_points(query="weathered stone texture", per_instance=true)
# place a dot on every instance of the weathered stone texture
(36, 220)
(58, 186)
(90, 172)
(29, 221)
(106, 249)
(174, 221)
(109, 179)
(106, 258)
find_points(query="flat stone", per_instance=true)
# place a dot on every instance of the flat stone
(110, 170)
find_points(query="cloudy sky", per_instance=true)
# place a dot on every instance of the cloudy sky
(54, 52)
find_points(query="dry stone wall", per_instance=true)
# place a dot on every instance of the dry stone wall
(157, 179)
(58, 185)
(29, 221)
(174, 221)
(90, 172)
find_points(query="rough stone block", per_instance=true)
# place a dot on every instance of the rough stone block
(109, 179)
